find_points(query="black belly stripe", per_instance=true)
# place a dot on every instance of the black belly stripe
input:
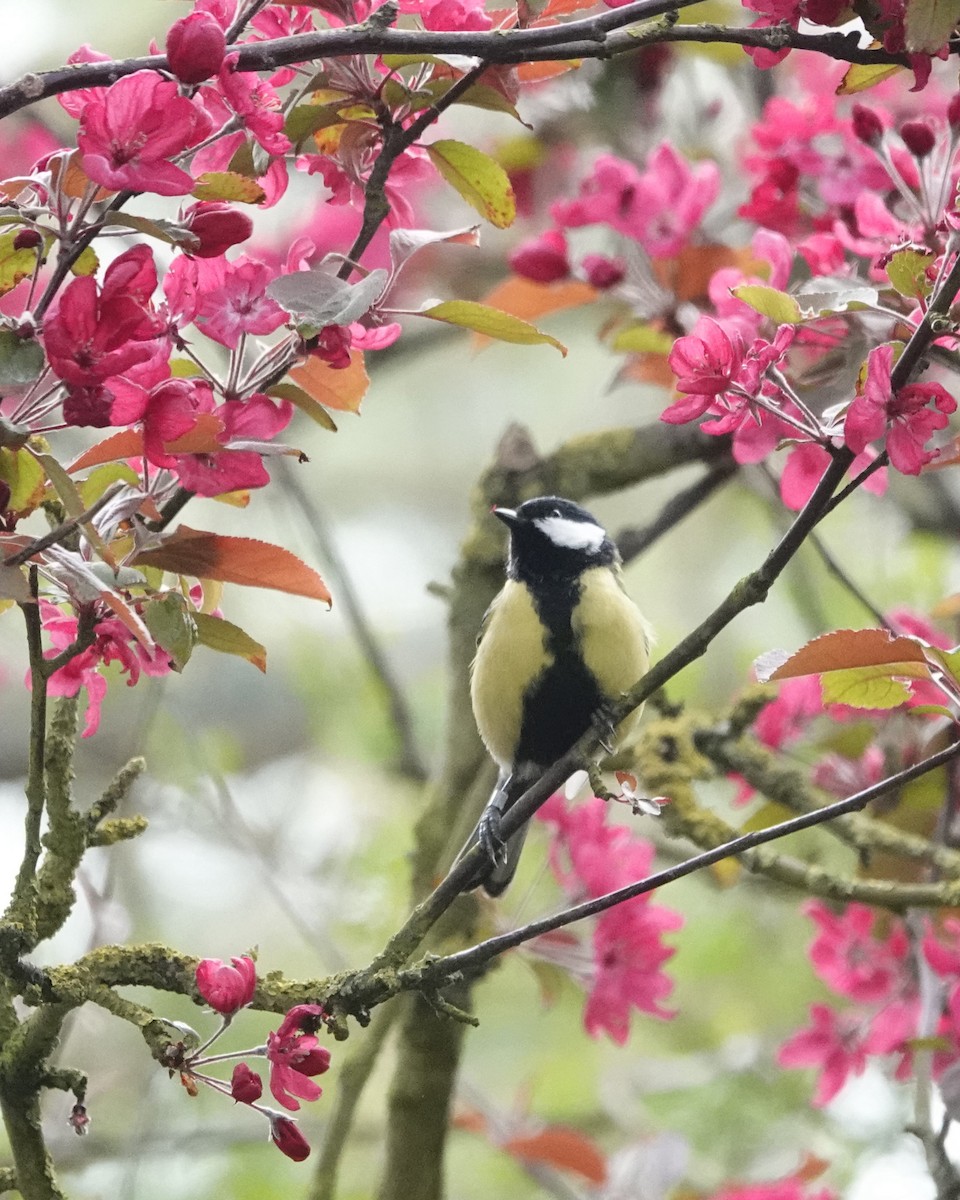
(559, 704)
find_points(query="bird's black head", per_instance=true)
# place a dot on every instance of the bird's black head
(552, 538)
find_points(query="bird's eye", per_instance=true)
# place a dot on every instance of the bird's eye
(555, 513)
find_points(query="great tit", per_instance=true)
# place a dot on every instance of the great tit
(559, 642)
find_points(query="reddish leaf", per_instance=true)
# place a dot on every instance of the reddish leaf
(235, 560)
(128, 443)
(537, 72)
(201, 439)
(339, 389)
(563, 1148)
(841, 651)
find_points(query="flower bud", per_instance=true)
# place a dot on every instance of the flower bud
(27, 239)
(226, 989)
(543, 259)
(953, 112)
(602, 272)
(918, 137)
(196, 45)
(246, 1086)
(288, 1139)
(217, 226)
(867, 125)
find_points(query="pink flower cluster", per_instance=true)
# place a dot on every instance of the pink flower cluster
(867, 958)
(293, 1052)
(659, 208)
(590, 858)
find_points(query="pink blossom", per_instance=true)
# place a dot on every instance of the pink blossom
(97, 332)
(659, 208)
(256, 103)
(465, 15)
(333, 344)
(246, 1086)
(231, 300)
(590, 858)
(195, 47)
(794, 1188)
(75, 101)
(904, 417)
(288, 1139)
(128, 136)
(226, 988)
(849, 956)
(543, 259)
(944, 955)
(113, 642)
(834, 1043)
(787, 717)
(295, 1054)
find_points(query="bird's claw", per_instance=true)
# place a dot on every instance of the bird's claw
(488, 835)
(606, 727)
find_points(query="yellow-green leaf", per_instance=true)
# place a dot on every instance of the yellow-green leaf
(642, 339)
(228, 638)
(97, 482)
(767, 301)
(481, 181)
(24, 476)
(491, 322)
(14, 264)
(862, 76)
(21, 359)
(907, 269)
(929, 24)
(86, 262)
(228, 185)
(864, 687)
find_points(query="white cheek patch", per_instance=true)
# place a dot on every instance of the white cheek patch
(571, 535)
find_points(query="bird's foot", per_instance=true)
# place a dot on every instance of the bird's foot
(606, 726)
(597, 786)
(489, 837)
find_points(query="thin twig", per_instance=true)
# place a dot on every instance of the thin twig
(633, 542)
(469, 960)
(62, 531)
(411, 762)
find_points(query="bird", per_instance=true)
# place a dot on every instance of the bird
(560, 642)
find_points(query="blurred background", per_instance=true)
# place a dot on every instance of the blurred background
(278, 820)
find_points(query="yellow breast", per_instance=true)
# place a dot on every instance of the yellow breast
(614, 637)
(511, 654)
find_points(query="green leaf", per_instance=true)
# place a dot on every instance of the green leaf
(907, 269)
(491, 322)
(481, 181)
(305, 402)
(929, 24)
(24, 476)
(97, 482)
(306, 119)
(172, 627)
(228, 185)
(14, 264)
(864, 687)
(157, 227)
(768, 302)
(228, 638)
(21, 359)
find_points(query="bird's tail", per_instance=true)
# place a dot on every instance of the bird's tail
(494, 877)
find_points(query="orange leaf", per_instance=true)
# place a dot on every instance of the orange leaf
(846, 649)
(128, 443)
(688, 274)
(561, 8)
(537, 72)
(340, 389)
(563, 1148)
(528, 300)
(470, 1119)
(201, 439)
(235, 560)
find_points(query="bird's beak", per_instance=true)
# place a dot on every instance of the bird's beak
(507, 515)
